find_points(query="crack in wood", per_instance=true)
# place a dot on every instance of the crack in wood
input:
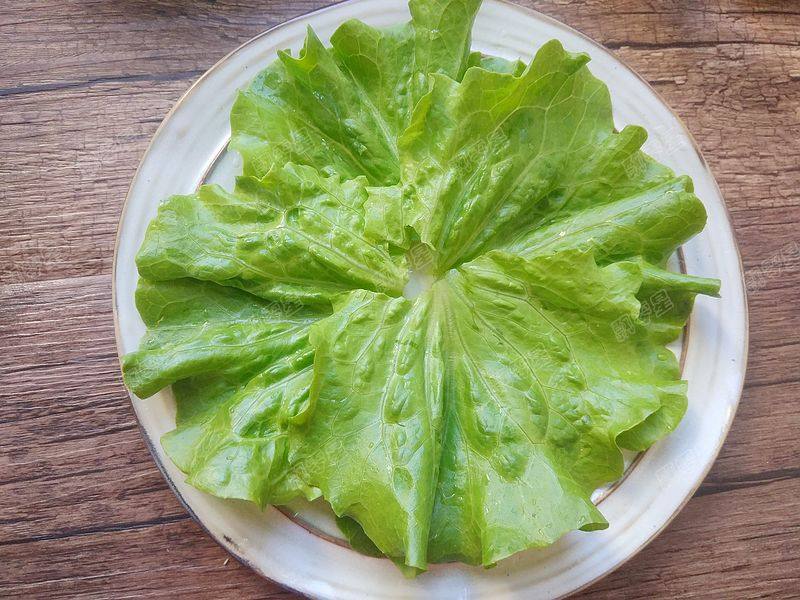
(69, 85)
(112, 528)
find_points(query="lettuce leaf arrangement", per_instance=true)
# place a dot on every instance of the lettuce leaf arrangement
(436, 297)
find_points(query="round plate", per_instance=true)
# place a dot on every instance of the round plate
(189, 148)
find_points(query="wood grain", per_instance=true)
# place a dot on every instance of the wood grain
(83, 86)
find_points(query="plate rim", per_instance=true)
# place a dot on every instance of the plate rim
(528, 12)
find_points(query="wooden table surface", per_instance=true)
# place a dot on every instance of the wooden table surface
(83, 85)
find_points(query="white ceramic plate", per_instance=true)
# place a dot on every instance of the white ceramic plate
(189, 149)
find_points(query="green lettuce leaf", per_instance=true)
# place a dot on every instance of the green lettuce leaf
(242, 449)
(344, 108)
(293, 236)
(377, 391)
(650, 223)
(437, 297)
(199, 328)
(359, 542)
(242, 369)
(499, 155)
(529, 405)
